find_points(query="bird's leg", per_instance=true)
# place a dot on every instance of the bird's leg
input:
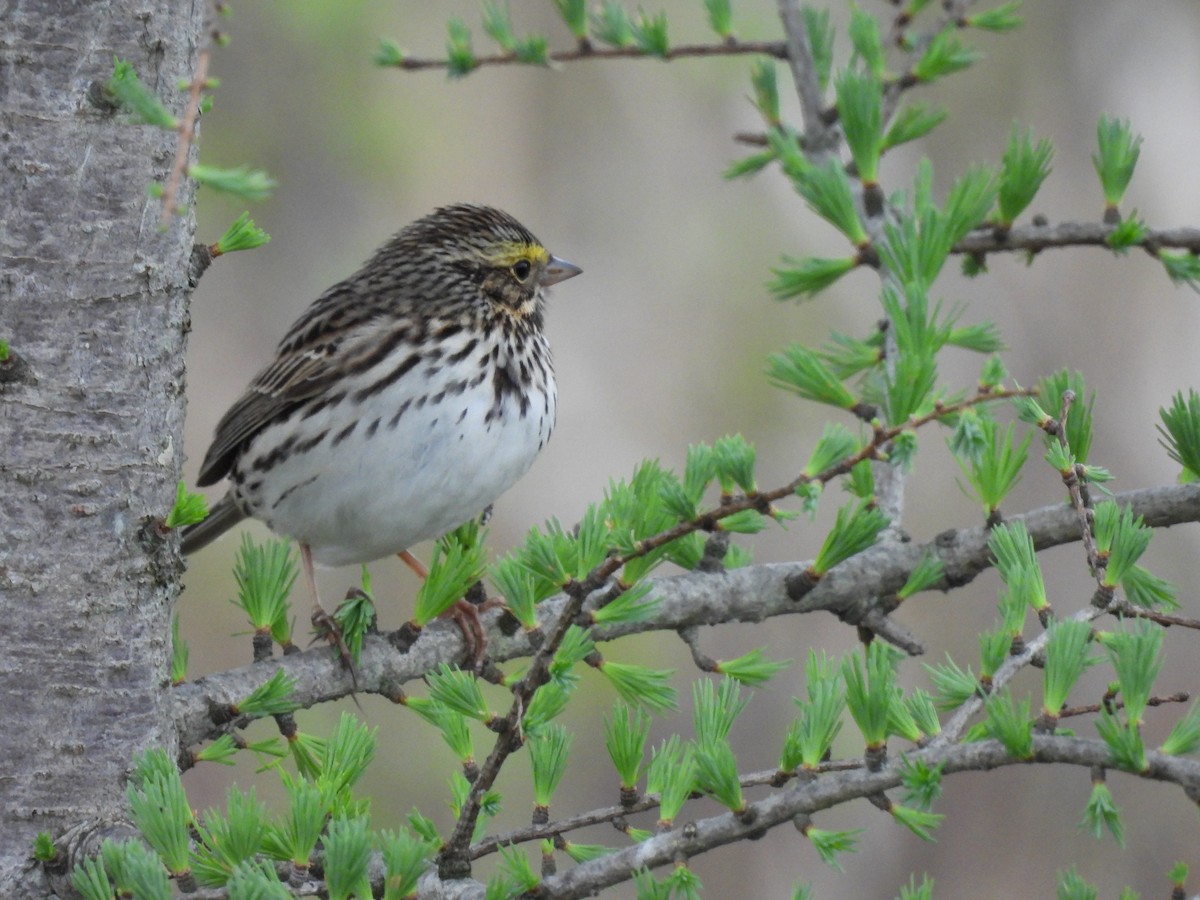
(323, 623)
(413, 563)
(463, 612)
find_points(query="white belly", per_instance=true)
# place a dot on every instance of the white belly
(391, 482)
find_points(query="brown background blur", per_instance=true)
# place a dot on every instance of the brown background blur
(617, 167)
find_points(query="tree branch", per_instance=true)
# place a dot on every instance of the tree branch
(782, 807)
(749, 594)
(733, 47)
(1035, 238)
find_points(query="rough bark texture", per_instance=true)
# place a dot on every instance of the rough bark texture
(93, 306)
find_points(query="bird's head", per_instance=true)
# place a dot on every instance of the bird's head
(505, 265)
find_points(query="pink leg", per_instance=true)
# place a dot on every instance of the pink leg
(413, 563)
(310, 577)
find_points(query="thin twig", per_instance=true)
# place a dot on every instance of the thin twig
(187, 132)
(804, 73)
(776, 49)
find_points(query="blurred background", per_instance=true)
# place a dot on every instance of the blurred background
(617, 167)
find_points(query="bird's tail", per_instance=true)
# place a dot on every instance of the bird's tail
(220, 519)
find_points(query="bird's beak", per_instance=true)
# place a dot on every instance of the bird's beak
(558, 270)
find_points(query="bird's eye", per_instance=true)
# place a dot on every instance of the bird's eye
(521, 269)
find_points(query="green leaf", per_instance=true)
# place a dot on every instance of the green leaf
(860, 109)
(1180, 432)
(829, 844)
(625, 737)
(574, 14)
(749, 165)
(1124, 742)
(752, 668)
(916, 246)
(996, 468)
(1182, 267)
(801, 371)
(548, 751)
(922, 785)
(1145, 589)
(925, 574)
(611, 24)
(1009, 723)
(715, 708)
(1024, 169)
(514, 865)
(717, 774)
(1129, 232)
(265, 574)
(914, 891)
(820, 41)
(188, 509)
(827, 192)
(944, 55)
(355, 617)
(1001, 18)
(1185, 734)
(243, 234)
(981, 338)
(460, 56)
(870, 691)
(1102, 813)
(640, 685)
(347, 844)
(955, 687)
(918, 821)
(733, 457)
(632, 605)
(650, 33)
(498, 25)
(160, 810)
(1115, 158)
(1079, 416)
(405, 856)
(1120, 538)
(819, 720)
(243, 182)
(456, 564)
(671, 774)
(804, 278)
(1066, 660)
(720, 17)
(1072, 887)
(90, 879)
(856, 528)
(766, 93)
(459, 691)
(134, 96)
(868, 42)
(135, 870)
(271, 698)
(388, 53)
(228, 838)
(909, 389)
(911, 123)
(179, 653)
(1136, 656)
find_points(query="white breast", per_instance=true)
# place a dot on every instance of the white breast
(406, 464)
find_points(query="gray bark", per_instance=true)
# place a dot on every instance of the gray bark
(93, 303)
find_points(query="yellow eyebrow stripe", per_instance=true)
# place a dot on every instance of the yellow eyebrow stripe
(509, 254)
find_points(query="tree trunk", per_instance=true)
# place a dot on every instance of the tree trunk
(93, 305)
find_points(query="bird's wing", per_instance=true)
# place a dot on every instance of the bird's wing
(331, 336)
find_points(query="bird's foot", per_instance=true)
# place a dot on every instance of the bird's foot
(326, 628)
